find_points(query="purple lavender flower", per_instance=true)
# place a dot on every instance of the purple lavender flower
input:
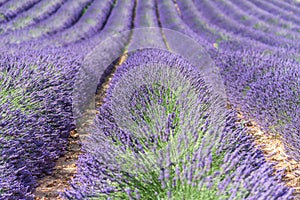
(128, 156)
(35, 118)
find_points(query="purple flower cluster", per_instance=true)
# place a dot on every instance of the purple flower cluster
(65, 17)
(12, 8)
(174, 139)
(35, 117)
(34, 15)
(267, 89)
(162, 131)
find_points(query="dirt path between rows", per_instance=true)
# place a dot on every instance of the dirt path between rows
(274, 152)
(50, 186)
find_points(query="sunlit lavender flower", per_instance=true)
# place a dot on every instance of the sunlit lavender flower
(35, 118)
(167, 145)
(266, 88)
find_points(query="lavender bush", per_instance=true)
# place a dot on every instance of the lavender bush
(39, 12)
(266, 88)
(13, 7)
(163, 132)
(169, 142)
(35, 118)
(64, 18)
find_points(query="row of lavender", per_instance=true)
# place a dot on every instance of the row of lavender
(55, 23)
(36, 90)
(169, 137)
(247, 23)
(35, 118)
(36, 105)
(137, 154)
(266, 88)
(104, 173)
(261, 77)
(215, 22)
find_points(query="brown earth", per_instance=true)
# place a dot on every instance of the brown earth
(274, 152)
(65, 168)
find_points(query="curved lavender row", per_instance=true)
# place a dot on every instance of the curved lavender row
(292, 2)
(65, 17)
(261, 14)
(90, 23)
(251, 9)
(35, 118)
(99, 167)
(2, 2)
(119, 20)
(215, 17)
(192, 19)
(112, 46)
(175, 155)
(145, 18)
(285, 31)
(252, 22)
(286, 6)
(281, 9)
(169, 19)
(266, 88)
(34, 15)
(146, 14)
(104, 48)
(13, 8)
(207, 31)
(276, 10)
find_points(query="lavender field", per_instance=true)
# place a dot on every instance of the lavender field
(150, 99)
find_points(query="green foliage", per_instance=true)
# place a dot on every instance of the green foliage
(245, 90)
(14, 94)
(141, 172)
(245, 17)
(84, 10)
(2, 16)
(22, 22)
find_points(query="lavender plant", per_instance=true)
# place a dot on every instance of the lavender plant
(276, 10)
(35, 119)
(64, 18)
(252, 19)
(12, 8)
(169, 142)
(162, 132)
(266, 88)
(35, 14)
(224, 22)
(89, 24)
